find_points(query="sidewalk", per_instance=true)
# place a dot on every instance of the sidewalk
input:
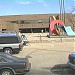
(39, 37)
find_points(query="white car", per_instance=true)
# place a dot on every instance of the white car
(24, 39)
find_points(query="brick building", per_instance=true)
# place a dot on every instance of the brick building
(31, 23)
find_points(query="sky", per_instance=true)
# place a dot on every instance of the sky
(19, 7)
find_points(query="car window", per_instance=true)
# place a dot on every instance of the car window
(2, 59)
(8, 40)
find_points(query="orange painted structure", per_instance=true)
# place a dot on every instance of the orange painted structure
(52, 26)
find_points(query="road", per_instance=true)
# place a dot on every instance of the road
(49, 56)
(51, 61)
(54, 71)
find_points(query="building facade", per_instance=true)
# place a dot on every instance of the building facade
(31, 23)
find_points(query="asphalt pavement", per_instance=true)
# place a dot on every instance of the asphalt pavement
(48, 56)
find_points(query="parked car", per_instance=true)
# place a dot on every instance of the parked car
(11, 65)
(71, 62)
(10, 43)
(24, 39)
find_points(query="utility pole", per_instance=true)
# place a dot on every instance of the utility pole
(60, 6)
(62, 10)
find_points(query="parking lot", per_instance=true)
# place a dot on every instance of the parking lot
(48, 56)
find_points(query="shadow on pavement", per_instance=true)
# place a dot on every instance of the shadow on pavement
(62, 69)
(38, 72)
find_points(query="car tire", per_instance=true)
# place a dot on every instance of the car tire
(6, 72)
(8, 50)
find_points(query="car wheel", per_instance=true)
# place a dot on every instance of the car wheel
(8, 50)
(6, 72)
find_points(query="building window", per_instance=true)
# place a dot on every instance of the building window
(26, 22)
(40, 21)
(22, 22)
(30, 21)
(45, 21)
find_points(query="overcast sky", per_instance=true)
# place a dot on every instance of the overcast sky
(19, 7)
